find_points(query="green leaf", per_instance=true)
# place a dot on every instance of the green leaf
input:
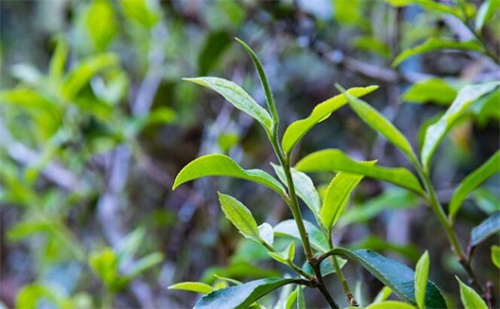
(196, 287)
(303, 185)
(286, 255)
(495, 255)
(484, 230)
(433, 90)
(238, 97)
(421, 275)
(266, 233)
(301, 298)
(285, 294)
(435, 44)
(100, 24)
(486, 200)
(291, 299)
(323, 110)
(376, 243)
(105, 264)
(390, 304)
(337, 196)
(437, 131)
(241, 296)
(221, 165)
(486, 12)
(138, 11)
(29, 296)
(379, 123)
(83, 72)
(384, 294)
(334, 160)
(288, 228)
(470, 299)
(472, 181)
(395, 275)
(429, 5)
(58, 60)
(240, 216)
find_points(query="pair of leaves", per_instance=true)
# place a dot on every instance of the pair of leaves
(335, 160)
(397, 276)
(472, 181)
(437, 131)
(222, 165)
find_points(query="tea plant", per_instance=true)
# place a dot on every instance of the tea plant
(316, 240)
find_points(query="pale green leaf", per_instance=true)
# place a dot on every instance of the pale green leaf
(58, 60)
(486, 12)
(470, 299)
(29, 296)
(291, 299)
(288, 228)
(238, 97)
(303, 186)
(100, 23)
(488, 227)
(390, 304)
(240, 216)
(421, 275)
(473, 181)
(266, 233)
(323, 110)
(495, 255)
(197, 287)
(334, 160)
(139, 12)
(435, 44)
(337, 196)
(379, 123)
(286, 255)
(437, 131)
(383, 295)
(105, 264)
(431, 90)
(221, 165)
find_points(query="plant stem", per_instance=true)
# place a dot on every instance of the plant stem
(321, 285)
(340, 275)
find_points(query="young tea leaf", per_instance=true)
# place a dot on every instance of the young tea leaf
(241, 296)
(286, 255)
(236, 96)
(470, 299)
(421, 275)
(434, 44)
(437, 131)
(484, 230)
(334, 160)
(240, 216)
(472, 181)
(197, 287)
(395, 275)
(295, 131)
(288, 228)
(221, 165)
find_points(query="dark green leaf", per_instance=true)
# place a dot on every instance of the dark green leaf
(213, 49)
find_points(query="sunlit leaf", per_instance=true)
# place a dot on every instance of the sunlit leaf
(240, 216)
(421, 275)
(221, 165)
(470, 299)
(197, 287)
(435, 44)
(488, 227)
(437, 131)
(237, 97)
(105, 264)
(334, 160)
(473, 181)
(289, 228)
(323, 110)
(241, 296)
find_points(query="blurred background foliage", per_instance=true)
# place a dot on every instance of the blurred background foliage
(95, 122)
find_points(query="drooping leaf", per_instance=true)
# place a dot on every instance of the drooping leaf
(303, 186)
(484, 230)
(240, 216)
(197, 287)
(435, 44)
(295, 131)
(470, 299)
(421, 275)
(437, 131)
(221, 165)
(395, 275)
(266, 233)
(495, 255)
(473, 181)
(241, 296)
(288, 228)
(431, 90)
(236, 96)
(334, 160)
(485, 13)
(379, 123)
(390, 304)
(337, 196)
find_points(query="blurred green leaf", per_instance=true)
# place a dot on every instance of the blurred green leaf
(473, 181)
(105, 264)
(290, 301)
(221, 165)
(470, 299)
(197, 287)
(430, 5)
(30, 295)
(350, 13)
(430, 90)
(435, 44)
(488, 227)
(214, 47)
(485, 13)
(375, 243)
(143, 264)
(138, 11)
(100, 24)
(486, 200)
(58, 60)
(373, 44)
(421, 275)
(495, 255)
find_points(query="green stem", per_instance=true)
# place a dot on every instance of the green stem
(340, 274)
